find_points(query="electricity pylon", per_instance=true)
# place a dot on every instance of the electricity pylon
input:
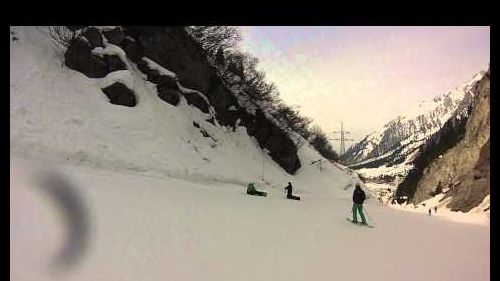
(343, 138)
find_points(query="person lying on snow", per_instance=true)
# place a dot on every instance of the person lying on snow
(289, 195)
(252, 191)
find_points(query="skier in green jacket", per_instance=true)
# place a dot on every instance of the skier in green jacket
(358, 197)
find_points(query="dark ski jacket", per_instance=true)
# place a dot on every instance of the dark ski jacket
(358, 196)
(251, 187)
(288, 189)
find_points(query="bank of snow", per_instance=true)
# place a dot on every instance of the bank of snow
(476, 216)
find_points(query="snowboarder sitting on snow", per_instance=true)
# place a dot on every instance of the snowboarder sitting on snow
(252, 191)
(358, 197)
(289, 195)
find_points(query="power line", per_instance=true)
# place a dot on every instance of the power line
(343, 138)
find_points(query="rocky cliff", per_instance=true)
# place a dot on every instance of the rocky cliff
(455, 161)
(413, 127)
(152, 50)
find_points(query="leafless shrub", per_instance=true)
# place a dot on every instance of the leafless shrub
(62, 35)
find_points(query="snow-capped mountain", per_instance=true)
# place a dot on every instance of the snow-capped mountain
(400, 137)
(454, 163)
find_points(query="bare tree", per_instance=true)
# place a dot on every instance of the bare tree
(214, 39)
(63, 35)
(319, 141)
(238, 68)
(291, 117)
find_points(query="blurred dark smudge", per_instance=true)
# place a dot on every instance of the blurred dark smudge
(75, 217)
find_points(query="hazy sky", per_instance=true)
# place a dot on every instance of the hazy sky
(365, 76)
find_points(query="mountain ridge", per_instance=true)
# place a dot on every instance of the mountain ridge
(415, 124)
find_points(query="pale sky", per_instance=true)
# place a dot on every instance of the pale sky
(365, 76)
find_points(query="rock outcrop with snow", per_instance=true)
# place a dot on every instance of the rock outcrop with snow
(149, 69)
(175, 49)
(388, 155)
(414, 126)
(156, 49)
(456, 159)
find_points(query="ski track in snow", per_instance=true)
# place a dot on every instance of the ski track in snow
(148, 228)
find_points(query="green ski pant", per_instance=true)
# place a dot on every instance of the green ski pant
(358, 208)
